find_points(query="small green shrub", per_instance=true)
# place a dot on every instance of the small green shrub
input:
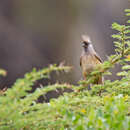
(104, 107)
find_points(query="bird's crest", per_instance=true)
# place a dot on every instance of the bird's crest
(86, 38)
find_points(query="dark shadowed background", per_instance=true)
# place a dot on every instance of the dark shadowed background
(35, 33)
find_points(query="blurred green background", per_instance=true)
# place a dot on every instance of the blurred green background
(35, 33)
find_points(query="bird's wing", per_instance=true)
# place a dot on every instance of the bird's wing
(98, 57)
(94, 53)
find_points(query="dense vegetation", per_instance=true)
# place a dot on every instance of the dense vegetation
(104, 107)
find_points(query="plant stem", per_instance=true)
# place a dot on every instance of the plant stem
(123, 41)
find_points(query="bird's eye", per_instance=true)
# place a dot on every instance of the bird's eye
(86, 43)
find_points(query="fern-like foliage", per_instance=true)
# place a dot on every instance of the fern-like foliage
(79, 110)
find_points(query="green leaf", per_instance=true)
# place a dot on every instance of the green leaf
(127, 42)
(127, 60)
(116, 36)
(117, 26)
(107, 73)
(127, 37)
(127, 14)
(3, 72)
(127, 31)
(127, 27)
(124, 73)
(80, 127)
(127, 10)
(126, 67)
(128, 21)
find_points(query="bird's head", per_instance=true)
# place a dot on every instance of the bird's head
(86, 41)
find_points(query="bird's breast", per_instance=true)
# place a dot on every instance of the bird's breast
(89, 62)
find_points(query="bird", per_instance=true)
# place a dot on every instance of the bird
(89, 59)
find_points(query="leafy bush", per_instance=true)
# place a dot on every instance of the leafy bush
(103, 107)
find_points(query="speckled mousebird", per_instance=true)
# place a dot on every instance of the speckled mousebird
(89, 59)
